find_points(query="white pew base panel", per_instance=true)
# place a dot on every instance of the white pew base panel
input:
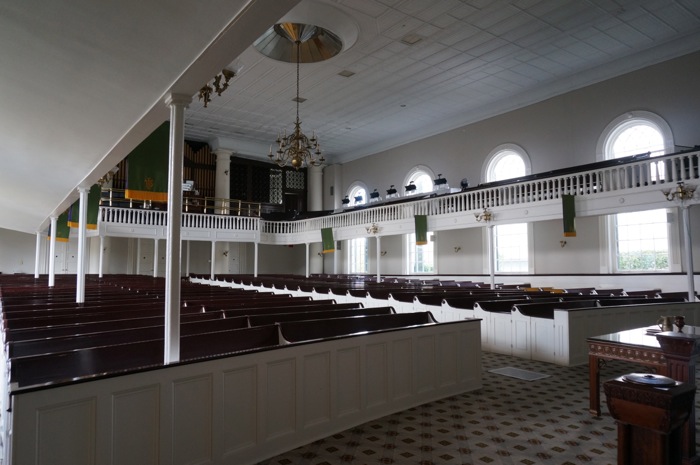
(244, 408)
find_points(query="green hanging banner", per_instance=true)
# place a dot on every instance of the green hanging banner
(569, 214)
(93, 209)
(421, 229)
(62, 228)
(327, 240)
(147, 173)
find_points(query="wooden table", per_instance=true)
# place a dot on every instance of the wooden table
(634, 345)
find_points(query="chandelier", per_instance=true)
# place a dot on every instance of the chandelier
(297, 149)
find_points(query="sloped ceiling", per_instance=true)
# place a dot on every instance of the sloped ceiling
(83, 82)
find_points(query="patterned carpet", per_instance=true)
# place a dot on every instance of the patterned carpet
(507, 422)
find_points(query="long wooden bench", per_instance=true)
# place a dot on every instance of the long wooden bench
(324, 329)
(67, 366)
(324, 315)
(112, 336)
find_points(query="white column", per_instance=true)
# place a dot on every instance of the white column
(492, 257)
(82, 227)
(177, 104)
(102, 255)
(52, 252)
(213, 261)
(155, 258)
(307, 259)
(687, 243)
(37, 255)
(338, 194)
(222, 186)
(379, 259)
(255, 259)
(138, 256)
(187, 259)
(335, 258)
(314, 199)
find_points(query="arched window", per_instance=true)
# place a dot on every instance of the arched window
(422, 177)
(420, 258)
(511, 241)
(639, 240)
(357, 194)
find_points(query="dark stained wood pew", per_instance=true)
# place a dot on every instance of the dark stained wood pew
(311, 306)
(258, 320)
(92, 327)
(546, 309)
(116, 336)
(68, 366)
(298, 331)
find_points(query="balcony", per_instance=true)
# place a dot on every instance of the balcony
(613, 186)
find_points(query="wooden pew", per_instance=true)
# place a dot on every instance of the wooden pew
(322, 329)
(325, 315)
(63, 367)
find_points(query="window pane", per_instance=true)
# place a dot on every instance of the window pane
(358, 255)
(642, 241)
(511, 248)
(421, 258)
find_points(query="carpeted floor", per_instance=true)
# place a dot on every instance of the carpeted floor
(507, 422)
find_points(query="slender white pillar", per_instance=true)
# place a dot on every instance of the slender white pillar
(102, 256)
(255, 259)
(492, 257)
(335, 258)
(688, 244)
(177, 105)
(138, 256)
(307, 259)
(222, 186)
(155, 258)
(37, 255)
(52, 252)
(314, 199)
(212, 268)
(82, 227)
(187, 259)
(379, 259)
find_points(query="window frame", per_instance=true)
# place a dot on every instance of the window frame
(350, 193)
(487, 174)
(608, 223)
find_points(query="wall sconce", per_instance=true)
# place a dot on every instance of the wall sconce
(457, 249)
(226, 172)
(108, 177)
(562, 244)
(206, 91)
(484, 216)
(681, 192)
(373, 229)
(225, 253)
(382, 253)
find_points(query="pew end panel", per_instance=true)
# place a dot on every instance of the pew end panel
(244, 408)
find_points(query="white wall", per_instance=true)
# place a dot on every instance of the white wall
(558, 132)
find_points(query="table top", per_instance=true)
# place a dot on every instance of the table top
(643, 337)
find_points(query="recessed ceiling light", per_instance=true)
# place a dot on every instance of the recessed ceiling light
(299, 99)
(346, 73)
(411, 39)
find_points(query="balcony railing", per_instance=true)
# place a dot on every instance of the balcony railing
(640, 173)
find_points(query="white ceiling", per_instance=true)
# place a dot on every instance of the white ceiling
(82, 82)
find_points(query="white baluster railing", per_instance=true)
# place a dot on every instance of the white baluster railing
(642, 175)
